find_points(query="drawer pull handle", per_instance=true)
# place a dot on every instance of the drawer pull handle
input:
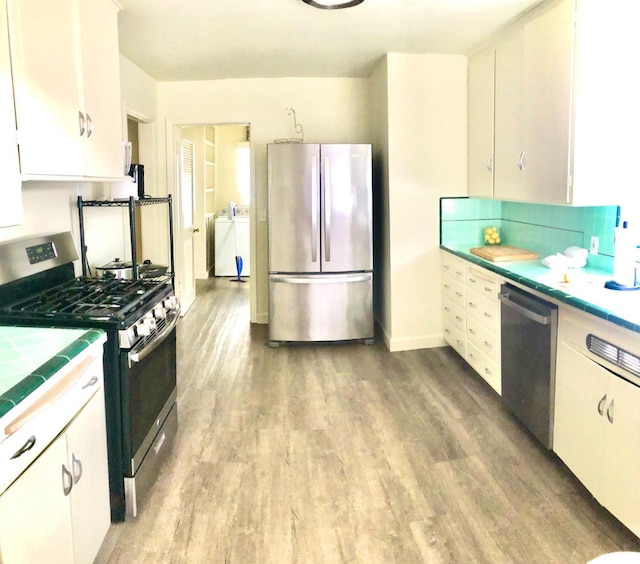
(488, 372)
(446, 308)
(447, 331)
(488, 289)
(472, 280)
(471, 356)
(458, 294)
(26, 447)
(458, 318)
(92, 382)
(610, 412)
(487, 344)
(601, 405)
(446, 286)
(472, 331)
(471, 304)
(488, 315)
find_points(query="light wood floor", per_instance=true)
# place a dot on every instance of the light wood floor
(348, 453)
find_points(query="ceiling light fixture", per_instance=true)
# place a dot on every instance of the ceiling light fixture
(332, 4)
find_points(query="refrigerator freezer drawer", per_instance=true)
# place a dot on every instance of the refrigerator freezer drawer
(334, 307)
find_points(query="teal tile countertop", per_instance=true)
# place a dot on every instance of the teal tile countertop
(29, 356)
(583, 288)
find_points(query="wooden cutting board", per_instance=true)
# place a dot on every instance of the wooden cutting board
(503, 253)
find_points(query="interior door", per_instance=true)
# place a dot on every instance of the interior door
(185, 182)
(346, 234)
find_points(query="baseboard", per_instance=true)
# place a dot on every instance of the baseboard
(201, 274)
(262, 318)
(410, 343)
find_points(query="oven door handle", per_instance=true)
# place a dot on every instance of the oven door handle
(139, 353)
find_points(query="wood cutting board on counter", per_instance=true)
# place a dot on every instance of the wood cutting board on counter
(503, 253)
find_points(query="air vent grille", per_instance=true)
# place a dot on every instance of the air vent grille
(614, 354)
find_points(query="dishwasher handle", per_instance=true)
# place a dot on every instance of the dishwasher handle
(505, 298)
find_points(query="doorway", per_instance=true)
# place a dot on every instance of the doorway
(221, 176)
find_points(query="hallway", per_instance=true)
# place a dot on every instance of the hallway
(348, 453)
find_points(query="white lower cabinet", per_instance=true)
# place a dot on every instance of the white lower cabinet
(597, 432)
(471, 316)
(58, 510)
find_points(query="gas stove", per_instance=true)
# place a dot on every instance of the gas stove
(38, 287)
(99, 299)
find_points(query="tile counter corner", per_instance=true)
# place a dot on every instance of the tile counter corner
(29, 356)
(585, 292)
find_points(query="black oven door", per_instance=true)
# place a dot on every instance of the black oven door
(148, 395)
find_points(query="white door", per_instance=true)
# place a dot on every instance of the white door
(185, 184)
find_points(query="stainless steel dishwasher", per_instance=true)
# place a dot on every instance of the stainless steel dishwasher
(529, 329)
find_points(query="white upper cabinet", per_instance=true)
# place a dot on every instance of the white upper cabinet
(481, 72)
(509, 116)
(566, 108)
(11, 209)
(101, 88)
(65, 64)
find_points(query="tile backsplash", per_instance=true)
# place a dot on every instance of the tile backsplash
(544, 229)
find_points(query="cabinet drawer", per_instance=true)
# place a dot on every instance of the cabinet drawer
(485, 310)
(453, 266)
(455, 338)
(454, 314)
(484, 339)
(454, 289)
(486, 285)
(488, 370)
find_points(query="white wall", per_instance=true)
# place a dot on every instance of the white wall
(330, 110)
(427, 159)
(380, 139)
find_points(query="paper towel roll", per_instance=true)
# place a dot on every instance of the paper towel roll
(624, 261)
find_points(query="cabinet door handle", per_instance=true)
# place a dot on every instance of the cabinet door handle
(601, 405)
(610, 412)
(490, 164)
(89, 126)
(67, 481)
(81, 123)
(76, 465)
(26, 447)
(521, 161)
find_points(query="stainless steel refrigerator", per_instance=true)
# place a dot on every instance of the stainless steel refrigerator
(320, 242)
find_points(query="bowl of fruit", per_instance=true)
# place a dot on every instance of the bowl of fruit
(491, 236)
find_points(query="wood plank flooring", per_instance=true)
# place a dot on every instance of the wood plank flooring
(348, 453)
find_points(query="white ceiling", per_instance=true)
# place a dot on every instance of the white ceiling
(214, 39)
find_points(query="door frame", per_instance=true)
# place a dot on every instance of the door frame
(172, 125)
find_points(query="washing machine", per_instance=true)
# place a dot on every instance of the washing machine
(226, 231)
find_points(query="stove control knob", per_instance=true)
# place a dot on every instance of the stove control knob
(143, 330)
(160, 313)
(171, 302)
(148, 315)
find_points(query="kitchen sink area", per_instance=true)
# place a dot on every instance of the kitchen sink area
(588, 384)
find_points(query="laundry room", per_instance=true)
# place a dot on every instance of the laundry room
(221, 164)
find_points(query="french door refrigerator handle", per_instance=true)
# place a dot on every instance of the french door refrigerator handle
(327, 210)
(314, 209)
(317, 280)
(533, 316)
